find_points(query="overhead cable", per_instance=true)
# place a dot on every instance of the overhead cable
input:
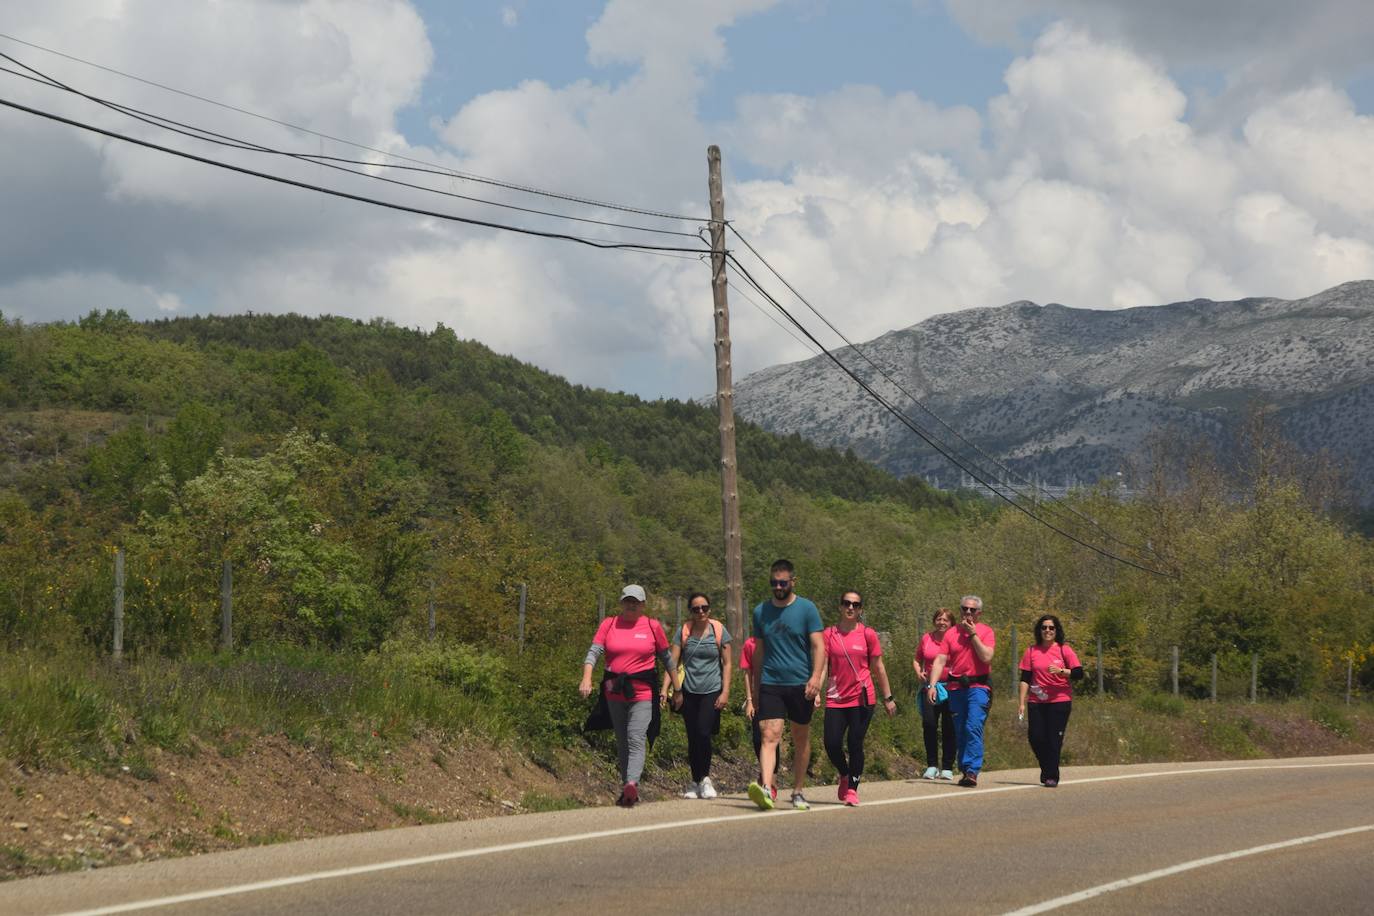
(209, 136)
(928, 439)
(1048, 501)
(334, 192)
(450, 172)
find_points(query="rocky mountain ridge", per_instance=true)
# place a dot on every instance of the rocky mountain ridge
(1071, 395)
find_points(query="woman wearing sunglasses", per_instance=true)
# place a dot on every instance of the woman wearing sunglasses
(853, 656)
(703, 658)
(1047, 669)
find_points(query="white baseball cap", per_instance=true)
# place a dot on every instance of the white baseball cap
(632, 591)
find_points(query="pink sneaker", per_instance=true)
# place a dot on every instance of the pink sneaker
(843, 790)
(851, 797)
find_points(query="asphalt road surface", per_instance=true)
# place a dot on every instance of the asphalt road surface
(1250, 837)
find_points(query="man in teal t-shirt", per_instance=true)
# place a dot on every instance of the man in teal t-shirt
(787, 672)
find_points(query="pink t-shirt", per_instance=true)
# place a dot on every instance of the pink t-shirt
(926, 650)
(962, 660)
(1056, 686)
(848, 684)
(746, 654)
(630, 648)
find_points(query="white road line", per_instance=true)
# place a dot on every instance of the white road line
(235, 889)
(1124, 883)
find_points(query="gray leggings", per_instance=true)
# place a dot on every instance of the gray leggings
(631, 721)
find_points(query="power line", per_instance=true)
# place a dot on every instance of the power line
(1047, 501)
(770, 316)
(453, 173)
(334, 192)
(209, 136)
(927, 438)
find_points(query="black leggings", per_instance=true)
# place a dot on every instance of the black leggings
(702, 720)
(1045, 725)
(854, 720)
(937, 720)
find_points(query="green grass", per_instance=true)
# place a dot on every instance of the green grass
(542, 801)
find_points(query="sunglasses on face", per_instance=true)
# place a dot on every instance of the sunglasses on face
(700, 608)
(1048, 626)
(782, 583)
(845, 602)
(970, 610)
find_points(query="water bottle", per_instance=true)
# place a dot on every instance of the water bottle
(1038, 692)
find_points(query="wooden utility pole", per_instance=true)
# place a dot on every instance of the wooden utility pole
(725, 401)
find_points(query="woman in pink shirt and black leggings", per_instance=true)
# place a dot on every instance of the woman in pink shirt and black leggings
(1047, 669)
(854, 656)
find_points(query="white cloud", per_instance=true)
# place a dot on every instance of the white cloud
(510, 17)
(1086, 182)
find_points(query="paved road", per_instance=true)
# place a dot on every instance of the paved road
(1299, 833)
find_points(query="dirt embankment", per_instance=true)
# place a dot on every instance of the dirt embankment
(268, 791)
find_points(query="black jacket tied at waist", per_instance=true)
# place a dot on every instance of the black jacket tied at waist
(600, 718)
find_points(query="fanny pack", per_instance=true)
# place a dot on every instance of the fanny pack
(968, 680)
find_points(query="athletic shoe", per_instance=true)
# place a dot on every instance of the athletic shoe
(930, 773)
(1051, 783)
(969, 780)
(707, 790)
(947, 775)
(629, 796)
(799, 802)
(762, 797)
(851, 798)
(843, 788)
(693, 790)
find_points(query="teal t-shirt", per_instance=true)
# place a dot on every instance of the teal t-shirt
(786, 635)
(701, 661)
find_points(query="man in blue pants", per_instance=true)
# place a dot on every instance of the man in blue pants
(967, 649)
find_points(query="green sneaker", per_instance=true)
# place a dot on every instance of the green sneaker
(761, 796)
(799, 802)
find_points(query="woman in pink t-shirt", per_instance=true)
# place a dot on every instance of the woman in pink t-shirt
(936, 719)
(853, 657)
(1047, 669)
(746, 666)
(631, 642)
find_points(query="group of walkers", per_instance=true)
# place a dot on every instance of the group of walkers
(793, 661)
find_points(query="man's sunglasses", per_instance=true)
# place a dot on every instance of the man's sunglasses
(969, 610)
(781, 583)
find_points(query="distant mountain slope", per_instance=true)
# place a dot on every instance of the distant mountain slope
(1071, 394)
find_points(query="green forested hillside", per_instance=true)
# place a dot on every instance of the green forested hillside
(349, 471)
(342, 467)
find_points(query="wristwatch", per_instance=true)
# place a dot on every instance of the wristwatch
(888, 698)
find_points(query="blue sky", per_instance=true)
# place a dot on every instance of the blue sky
(894, 158)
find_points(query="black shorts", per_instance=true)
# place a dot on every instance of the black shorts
(789, 702)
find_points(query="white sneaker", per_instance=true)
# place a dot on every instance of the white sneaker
(706, 790)
(930, 773)
(947, 775)
(693, 790)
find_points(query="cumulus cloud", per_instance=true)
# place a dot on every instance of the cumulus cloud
(1087, 181)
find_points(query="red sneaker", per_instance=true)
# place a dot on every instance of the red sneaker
(843, 789)
(629, 795)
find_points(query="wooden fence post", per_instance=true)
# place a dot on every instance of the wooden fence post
(1254, 677)
(1174, 668)
(1214, 677)
(1349, 677)
(1015, 661)
(431, 611)
(679, 617)
(600, 608)
(118, 647)
(524, 592)
(226, 607)
(1099, 666)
